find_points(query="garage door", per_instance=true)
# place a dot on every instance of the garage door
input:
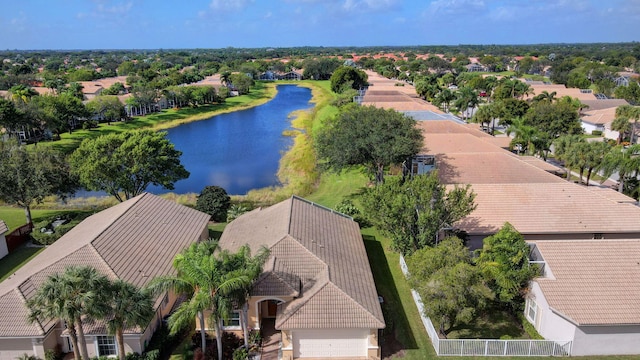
(330, 343)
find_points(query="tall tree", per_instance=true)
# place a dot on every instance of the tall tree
(211, 281)
(107, 107)
(631, 113)
(413, 212)
(623, 160)
(28, 176)
(128, 307)
(504, 260)
(562, 150)
(126, 163)
(452, 288)
(347, 77)
(622, 126)
(70, 296)
(369, 136)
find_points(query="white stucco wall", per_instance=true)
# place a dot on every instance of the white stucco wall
(607, 340)
(588, 127)
(548, 324)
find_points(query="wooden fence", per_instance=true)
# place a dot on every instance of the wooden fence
(18, 237)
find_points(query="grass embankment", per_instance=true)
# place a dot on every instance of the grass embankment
(168, 118)
(297, 170)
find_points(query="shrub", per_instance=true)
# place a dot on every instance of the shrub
(235, 211)
(214, 201)
(241, 353)
(596, 132)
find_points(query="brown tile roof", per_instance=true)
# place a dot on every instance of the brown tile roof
(490, 168)
(135, 240)
(595, 282)
(603, 116)
(325, 251)
(603, 104)
(549, 208)
(560, 91)
(522, 190)
(3, 227)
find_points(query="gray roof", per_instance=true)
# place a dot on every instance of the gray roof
(325, 251)
(425, 115)
(135, 240)
(3, 227)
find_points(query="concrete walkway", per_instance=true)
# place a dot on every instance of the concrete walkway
(270, 339)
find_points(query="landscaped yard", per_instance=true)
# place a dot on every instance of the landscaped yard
(12, 262)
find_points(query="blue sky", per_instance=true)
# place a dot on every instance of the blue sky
(152, 24)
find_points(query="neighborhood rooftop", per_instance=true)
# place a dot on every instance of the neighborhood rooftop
(134, 241)
(324, 250)
(593, 282)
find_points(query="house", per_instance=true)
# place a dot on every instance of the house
(524, 191)
(599, 120)
(316, 289)
(589, 294)
(135, 240)
(4, 250)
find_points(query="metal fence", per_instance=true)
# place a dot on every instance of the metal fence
(485, 347)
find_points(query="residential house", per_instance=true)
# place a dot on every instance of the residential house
(586, 239)
(135, 240)
(589, 294)
(4, 250)
(524, 191)
(317, 289)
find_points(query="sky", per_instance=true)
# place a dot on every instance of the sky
(172, 24)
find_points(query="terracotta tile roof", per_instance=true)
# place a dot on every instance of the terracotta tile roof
(595, 282)
(603, 104)
(549, 208)
(3, 227)
(135, 240)
(490, 168)
(560, 91)
(603, 116)
(325, 251)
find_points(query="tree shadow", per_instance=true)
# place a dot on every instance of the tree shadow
(397, 336)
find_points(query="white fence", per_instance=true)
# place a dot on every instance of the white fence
(485, 347)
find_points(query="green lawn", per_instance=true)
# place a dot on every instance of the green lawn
(260, 94)
(14, 217)
(12, 262)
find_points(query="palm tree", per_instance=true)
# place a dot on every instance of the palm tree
(205, 275)
(624, 160)
(562, 149)
(631, 113)
(545, 96)
(129, 307)
(622, 126)
(467, 98)
(242, 259)
(444, 98)
(524, 136)
(225, 78)
(69, 296)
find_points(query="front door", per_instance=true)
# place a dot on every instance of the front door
(272, 308)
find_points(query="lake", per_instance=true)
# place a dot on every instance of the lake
(238, 151)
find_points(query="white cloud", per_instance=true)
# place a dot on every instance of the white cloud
(456, 6)
(369, 5)
(229, 5)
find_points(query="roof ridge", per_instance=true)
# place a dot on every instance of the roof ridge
(101, 259)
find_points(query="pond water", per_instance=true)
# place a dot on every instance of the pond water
(238, 151)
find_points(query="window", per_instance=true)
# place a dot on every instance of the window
(598, 236)
(106, 346)
(532, 310)
(233, 322)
